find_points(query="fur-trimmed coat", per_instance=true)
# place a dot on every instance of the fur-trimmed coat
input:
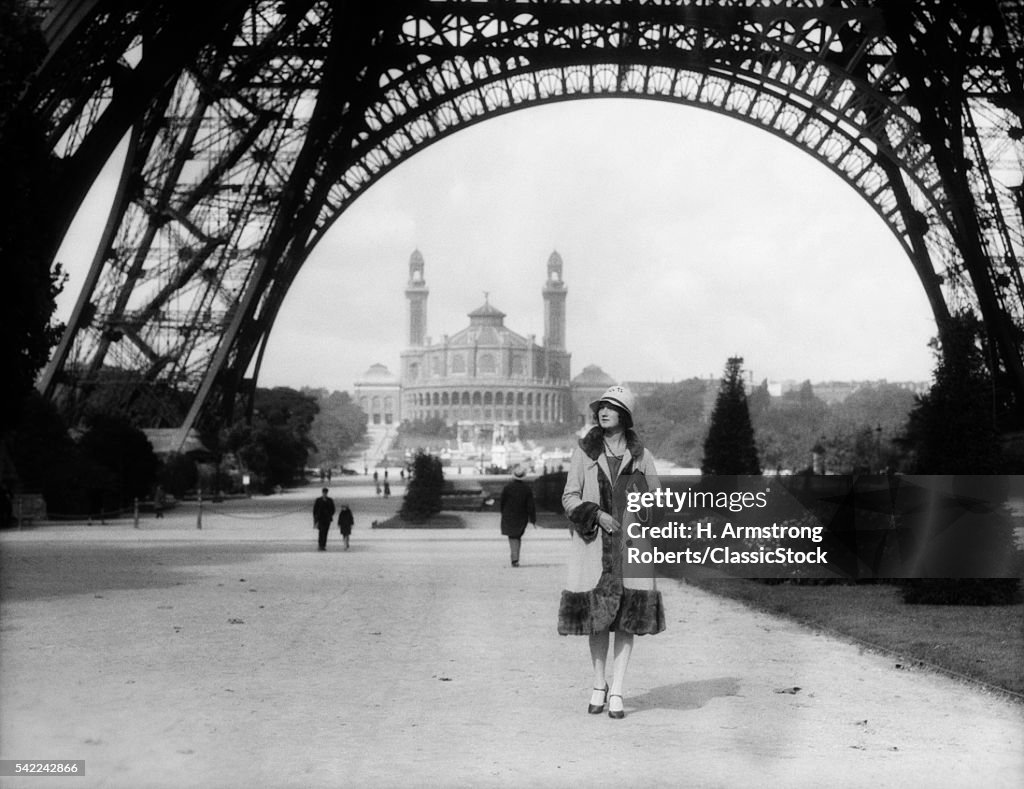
(597, 596)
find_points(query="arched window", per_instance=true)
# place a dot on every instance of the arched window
(458, 363)
(488, 364)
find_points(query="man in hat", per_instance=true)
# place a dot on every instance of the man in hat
(517, 509)
(323, 514)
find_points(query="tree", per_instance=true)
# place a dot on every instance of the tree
(48, 461)
(729, 447)
(285, 407)
(111, 442)
(178, 474)
(671, 424)
(338, 426)
(276, 446)
(429, 427)
(28, 296)
(788, 427)
(952, 429)
(423, 493)
(143, 403)
(864, 426)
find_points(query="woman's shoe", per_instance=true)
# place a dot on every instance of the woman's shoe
(619, 713)
(597, 709)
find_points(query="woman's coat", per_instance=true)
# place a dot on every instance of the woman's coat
(597, 595)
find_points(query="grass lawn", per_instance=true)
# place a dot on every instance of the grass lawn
(984, 643)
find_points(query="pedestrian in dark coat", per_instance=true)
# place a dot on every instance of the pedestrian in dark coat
(345, 523)
(323, 515)
(517, 509)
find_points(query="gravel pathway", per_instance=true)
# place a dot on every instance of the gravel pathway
(237, 655)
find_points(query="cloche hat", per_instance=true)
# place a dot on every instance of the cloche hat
(618, 396)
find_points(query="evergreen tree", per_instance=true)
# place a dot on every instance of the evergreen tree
(423, 493)
(952, 429)
(729, 447)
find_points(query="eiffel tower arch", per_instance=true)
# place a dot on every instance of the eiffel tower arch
(253, 125)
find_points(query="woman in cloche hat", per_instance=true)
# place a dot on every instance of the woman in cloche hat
(598, 600)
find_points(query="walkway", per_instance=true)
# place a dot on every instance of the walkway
(238, 656)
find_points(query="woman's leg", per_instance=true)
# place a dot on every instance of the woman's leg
(599, 658)
(623, 650)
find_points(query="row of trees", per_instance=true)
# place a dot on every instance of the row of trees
(859, 432)
(106, 465)
(289, 431)
(100, 472)
(953, 429)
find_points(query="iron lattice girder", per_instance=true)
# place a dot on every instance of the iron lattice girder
(182, 236)
(277, 123)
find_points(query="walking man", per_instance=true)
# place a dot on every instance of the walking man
(517, 509)
(323, 514)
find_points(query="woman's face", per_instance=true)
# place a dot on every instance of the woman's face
(608, 418)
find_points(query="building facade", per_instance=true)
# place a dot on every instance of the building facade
(486, 379)
(379, 394)
(587, 387)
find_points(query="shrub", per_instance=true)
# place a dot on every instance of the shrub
(423, 493)
(178, 474)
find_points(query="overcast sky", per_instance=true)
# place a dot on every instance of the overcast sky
(687, 237)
